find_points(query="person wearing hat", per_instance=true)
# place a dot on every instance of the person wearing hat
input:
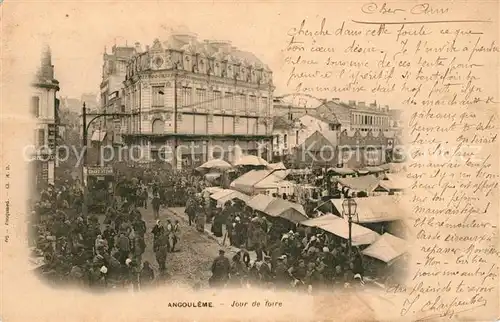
(220, 270)
(156, 205)
(157, 231)
(265, 270)
(161, 250)
(282, 277)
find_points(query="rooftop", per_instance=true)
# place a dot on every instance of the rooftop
(182, 39)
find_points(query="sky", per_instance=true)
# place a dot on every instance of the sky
(78, 32)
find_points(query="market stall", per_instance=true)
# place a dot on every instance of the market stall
(387, 248)
(290, 211)
(373, 209)
(395, 183)
(340, 227)
(368, 185)
(260, 202)
(226, 195)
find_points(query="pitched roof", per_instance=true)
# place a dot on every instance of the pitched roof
(281, 123)
(325, 116)
(387, 248)
(330, 136)
(364, 183)
(341, 112)
(375, 208)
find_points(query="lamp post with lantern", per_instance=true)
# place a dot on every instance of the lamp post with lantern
(349, 208)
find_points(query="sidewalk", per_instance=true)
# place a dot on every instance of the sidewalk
(179, 212)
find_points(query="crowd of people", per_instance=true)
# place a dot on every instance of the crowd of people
(105, 250)
(286, 255)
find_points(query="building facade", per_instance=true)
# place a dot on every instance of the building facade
(201, 98)
(358, 115)
(45, 108)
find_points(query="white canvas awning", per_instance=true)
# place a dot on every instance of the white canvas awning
(340, 227)
(277, 166)
(260, 202)
(365, 183)
(287, 210)
(251, 160)
(387, 248)
(375, 209)
(395, 182)
(226, 195)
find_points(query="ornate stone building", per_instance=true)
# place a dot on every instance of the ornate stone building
(45, 108)
(207, 98)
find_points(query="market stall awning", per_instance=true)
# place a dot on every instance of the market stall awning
(246, 182)
(251, 160)
(277, 166)
(375, 209)
(365, 183)
(216, 164)
(319, 221)
(212, 175)
(340, 227)
(212, 190)
(372, 169)
(393, 167)
(226, 195)
(395, 182)
(287, 210)
(273, 180)
(260, 202)
(386, 248)
(342, 171)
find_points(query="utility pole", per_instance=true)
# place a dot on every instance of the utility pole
(84, 161)
(175, 118)
(85, 131)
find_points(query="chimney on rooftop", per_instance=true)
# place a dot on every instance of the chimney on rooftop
(387, 108)
(352, 103)
(361, 104)
(373, 105)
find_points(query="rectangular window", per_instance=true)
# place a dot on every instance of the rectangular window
(41, 137)
(242, 102)
(201, 97)
(185, 96)
(252, 104)
(217, 100)
(228, 102)
(35, 106)
(263, 105)
(158, 95)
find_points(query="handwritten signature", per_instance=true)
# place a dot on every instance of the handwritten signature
(419, 9)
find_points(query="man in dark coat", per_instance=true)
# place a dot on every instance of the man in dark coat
(220, 270)
(156, 205)
(161, 251)
(157, 231)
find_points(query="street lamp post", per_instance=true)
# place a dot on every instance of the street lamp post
(349, 208)
(85, 127)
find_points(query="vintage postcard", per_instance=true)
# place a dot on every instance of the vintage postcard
(249, 161)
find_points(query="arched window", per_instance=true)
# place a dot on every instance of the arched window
(158, 126)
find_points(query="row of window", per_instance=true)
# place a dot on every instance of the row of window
(373, 130)
(370, 120)
(215, 99)
(278, 139)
